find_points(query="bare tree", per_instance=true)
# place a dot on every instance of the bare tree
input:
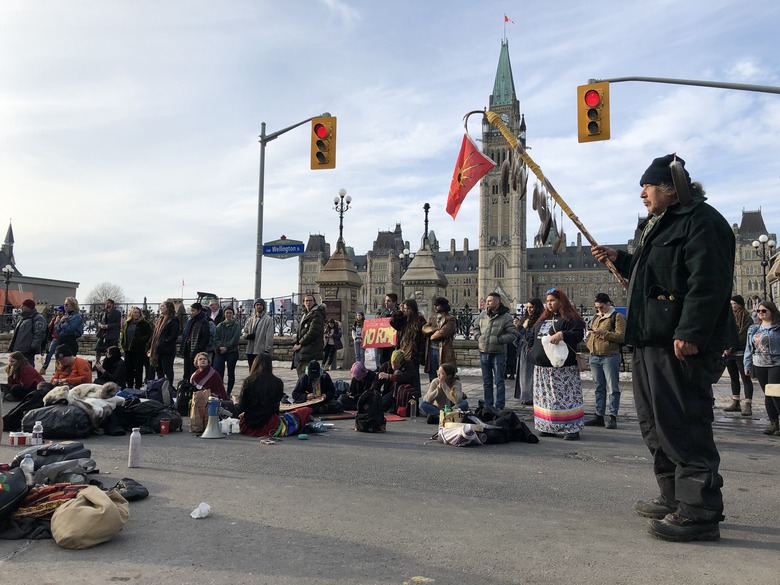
(106, 290)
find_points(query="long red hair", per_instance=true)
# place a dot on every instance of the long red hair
(566, 310)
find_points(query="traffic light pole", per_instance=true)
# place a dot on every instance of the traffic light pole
(265, 139)
(718, 84)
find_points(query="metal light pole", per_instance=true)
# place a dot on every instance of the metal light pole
(8, 272)
(764, 242)
(265, 139)
(341, 205)
(406, 257)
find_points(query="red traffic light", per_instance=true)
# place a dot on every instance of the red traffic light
(321, 131)
(592, 98)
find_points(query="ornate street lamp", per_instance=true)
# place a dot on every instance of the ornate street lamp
(406, 257)
(341, 205)
(8, 272)
(763, 242)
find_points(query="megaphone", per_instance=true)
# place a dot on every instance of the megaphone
(212, 428)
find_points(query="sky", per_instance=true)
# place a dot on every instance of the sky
(129, 147)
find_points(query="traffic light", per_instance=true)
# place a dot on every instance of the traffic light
(593, 112)
(323, 143)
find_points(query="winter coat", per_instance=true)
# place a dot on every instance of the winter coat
(260, 398)
(573, 332)
(201, 380)
(413, 346)
(79, 372)
(494, 330)
(304, 387)
(196, 335)
(334, 333)
(113, 321)
(310, 334)
(26, 377)
(228, 334)
(71, 325)
(141, 337)
(610, 336)
(30, 333)
(680, 281)
(166, 342)
(440, 331)
(441, 395)
(743, 322)
(262, 326)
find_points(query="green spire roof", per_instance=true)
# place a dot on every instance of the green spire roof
(504, 87)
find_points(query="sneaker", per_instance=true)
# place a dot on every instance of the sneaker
(571, 437)
(677, 528)
(596, 421)
(656, 508)
(612, 422)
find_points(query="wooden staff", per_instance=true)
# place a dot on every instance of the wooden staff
(496, 121)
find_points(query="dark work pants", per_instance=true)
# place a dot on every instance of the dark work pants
(674, 404)
(165, 366)
(134, 366)
(736, 370)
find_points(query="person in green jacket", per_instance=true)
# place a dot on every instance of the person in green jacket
(226, 348)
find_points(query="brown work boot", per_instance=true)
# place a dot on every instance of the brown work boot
(676, 528)
(657, 508)
(733, 407)
(772, 428)
(747, 409)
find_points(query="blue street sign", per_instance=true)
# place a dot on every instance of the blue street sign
(283, 248)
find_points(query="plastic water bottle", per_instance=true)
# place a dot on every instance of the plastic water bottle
(412, 409)
(134, 453)
(28, 468)
(37, 433)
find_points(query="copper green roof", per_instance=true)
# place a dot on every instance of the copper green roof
(504, 87)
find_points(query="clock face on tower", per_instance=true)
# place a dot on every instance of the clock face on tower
(505, 118)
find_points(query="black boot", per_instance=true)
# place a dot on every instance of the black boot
(596, 421)
(676, 528)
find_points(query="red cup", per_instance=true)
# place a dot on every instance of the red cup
(164, 425)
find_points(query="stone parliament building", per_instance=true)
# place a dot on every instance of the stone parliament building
(503, 262)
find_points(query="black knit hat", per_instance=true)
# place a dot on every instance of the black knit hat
(659, 172)
(603, 298)
(739, 300)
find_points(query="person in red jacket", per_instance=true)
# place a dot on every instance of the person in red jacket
(22, 377)
(71, 370)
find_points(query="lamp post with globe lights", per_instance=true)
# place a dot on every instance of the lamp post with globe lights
(406, 257)
(8, 272)
(341, 205)
(761, 244)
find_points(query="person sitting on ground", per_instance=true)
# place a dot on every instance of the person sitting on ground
(392, 374)
(258, 404)
(313, 384)
(22, 377)
(71, 370)
(445, 390)
(111, 369)
(207, 377)
(362, 380)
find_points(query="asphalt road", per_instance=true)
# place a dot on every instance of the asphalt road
(355, 508)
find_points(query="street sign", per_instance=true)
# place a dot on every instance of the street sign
(282, 249)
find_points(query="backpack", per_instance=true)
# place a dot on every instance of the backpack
(183, 397)
(403, 394)
(370, 416)
(14, 490)
(159, 389)
(341, 386)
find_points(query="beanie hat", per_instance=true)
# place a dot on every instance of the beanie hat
(63, 351)
(260, 302)
(739, 300)
(659, 172)
(396, 356)
(443, 303)
(313, 369)
(603, 298)
(29, 303)
(197, 306)
(358, 370)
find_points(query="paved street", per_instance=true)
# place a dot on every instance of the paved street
(355, 508)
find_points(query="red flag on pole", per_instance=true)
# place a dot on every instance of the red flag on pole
(471, 166)
(507, 19)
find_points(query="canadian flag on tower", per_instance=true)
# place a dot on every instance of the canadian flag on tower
(507, 19)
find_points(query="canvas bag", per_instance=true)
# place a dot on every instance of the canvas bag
(92, 517)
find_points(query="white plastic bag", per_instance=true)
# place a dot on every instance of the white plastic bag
(556, 352)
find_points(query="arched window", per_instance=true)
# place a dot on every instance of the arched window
(498, 268)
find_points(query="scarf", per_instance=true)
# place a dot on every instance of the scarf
(158, 327)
